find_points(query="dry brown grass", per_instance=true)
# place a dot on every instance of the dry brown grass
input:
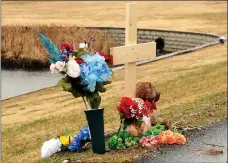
(21, 45)
(201, 16)
(191, 87)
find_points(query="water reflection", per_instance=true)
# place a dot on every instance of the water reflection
(18, 82)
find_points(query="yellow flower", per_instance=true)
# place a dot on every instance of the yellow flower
(66, 140)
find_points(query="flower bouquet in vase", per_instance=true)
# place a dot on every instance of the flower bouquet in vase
(85, 73)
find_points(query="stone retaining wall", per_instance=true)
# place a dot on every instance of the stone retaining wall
(174, 40)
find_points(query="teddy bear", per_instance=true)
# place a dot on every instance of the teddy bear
(146, 91)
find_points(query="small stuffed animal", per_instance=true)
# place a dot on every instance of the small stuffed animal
(147, 91)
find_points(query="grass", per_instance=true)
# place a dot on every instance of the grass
(193, 93)
(21, 47)
(193, 87)
(196, 16)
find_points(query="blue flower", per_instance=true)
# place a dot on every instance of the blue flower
(80, 139)
(76, 145)
(94, 70)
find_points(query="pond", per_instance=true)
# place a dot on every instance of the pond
(19, 82)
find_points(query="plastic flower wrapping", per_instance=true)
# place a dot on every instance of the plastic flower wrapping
(66, 142)
(85, 70)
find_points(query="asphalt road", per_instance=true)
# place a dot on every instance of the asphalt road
(195, 149)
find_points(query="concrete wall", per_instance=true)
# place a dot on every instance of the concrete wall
(174, 40)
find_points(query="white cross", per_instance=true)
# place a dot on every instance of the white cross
(132, 52)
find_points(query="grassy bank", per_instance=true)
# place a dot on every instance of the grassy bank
(22, 49)
(193, 93)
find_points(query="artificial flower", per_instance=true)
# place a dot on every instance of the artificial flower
(66, 140)
(169, 137)
(132, 108)
(108, 57)
(80, 139)
(94, 70)
(124, 107)
(50, 147)
(73, 69)
(149, 141)
(76, 145)
(53, 68)
(60, 65)
(79, 60)
(83, 45)
(67, 46)
(66, 50)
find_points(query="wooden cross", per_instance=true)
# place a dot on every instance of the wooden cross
(132, 52)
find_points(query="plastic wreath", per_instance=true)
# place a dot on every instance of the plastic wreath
(85, 70)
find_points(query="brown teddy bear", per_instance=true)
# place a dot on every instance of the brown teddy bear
(147, 91)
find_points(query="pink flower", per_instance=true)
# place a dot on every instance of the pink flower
(60, 65)
(149, 141)
(53, 68)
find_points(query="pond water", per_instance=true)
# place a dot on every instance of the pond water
(19, 82)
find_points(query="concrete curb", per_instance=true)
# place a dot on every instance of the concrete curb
(139, 63)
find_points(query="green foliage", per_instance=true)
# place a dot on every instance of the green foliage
(94, 99)
(66, 85)
(66, 131)
(80, 53)
(122, 140)
(100, 87)
(155, 130)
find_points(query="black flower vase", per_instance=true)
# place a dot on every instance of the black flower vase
(96, 126)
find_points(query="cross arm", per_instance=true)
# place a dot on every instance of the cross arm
(133, 53)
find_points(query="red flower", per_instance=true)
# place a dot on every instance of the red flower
(79, 60)
(66, 46)
(124, 107)
(101, 53)
(108, 57)
(150, 106)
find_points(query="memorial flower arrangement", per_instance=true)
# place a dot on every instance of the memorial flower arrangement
(155, 136)
(66, 143)
(85, 73)
(85, 70)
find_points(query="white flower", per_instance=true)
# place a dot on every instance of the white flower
(73, 69)
(50, 147)
(53, 68)
(60, 65)
(83, 45)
